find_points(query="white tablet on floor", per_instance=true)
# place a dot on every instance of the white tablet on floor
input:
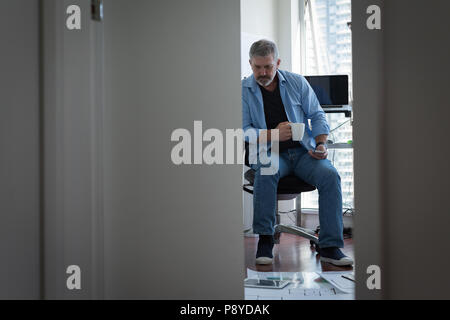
(266, 284)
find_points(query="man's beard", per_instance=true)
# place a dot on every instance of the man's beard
(264, 81)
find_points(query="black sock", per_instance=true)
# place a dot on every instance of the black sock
(267, 238)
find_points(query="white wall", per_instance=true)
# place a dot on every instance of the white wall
(417, 116)
(402, 176)
(368, 108)
(19, 150)
(171, 232)
(260, 18)
(289, 34)
(72, 110)
(277, 20)
(107, 164)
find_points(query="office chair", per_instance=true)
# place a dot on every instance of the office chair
(289, 187)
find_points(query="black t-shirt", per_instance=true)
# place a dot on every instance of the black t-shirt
(275, 113)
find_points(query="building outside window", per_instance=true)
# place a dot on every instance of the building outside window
(328, 52)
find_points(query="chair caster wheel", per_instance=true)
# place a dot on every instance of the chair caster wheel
(276, 238)
(315, 246)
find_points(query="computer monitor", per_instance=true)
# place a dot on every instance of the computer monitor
(332, 91)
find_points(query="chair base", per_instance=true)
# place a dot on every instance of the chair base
(295, 230)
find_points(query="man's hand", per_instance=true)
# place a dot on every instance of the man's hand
(319, 156)
(284, 131)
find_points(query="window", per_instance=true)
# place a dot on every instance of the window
(327, 51)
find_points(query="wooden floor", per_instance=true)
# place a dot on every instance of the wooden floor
(293, 254)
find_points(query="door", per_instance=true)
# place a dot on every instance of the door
(171, 231)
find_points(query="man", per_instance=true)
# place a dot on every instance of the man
(271, 99)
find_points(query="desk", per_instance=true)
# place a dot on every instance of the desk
(347, 109)
(340, 146)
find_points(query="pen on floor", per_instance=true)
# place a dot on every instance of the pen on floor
(348, 277)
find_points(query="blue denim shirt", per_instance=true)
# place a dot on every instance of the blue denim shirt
(299, 100)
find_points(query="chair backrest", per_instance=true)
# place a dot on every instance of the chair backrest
(247, 150)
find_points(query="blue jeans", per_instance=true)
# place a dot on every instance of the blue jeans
(319, 173)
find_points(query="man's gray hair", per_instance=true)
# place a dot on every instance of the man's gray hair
(264, 48)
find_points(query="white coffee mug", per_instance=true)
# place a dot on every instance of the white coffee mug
(298, 129)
